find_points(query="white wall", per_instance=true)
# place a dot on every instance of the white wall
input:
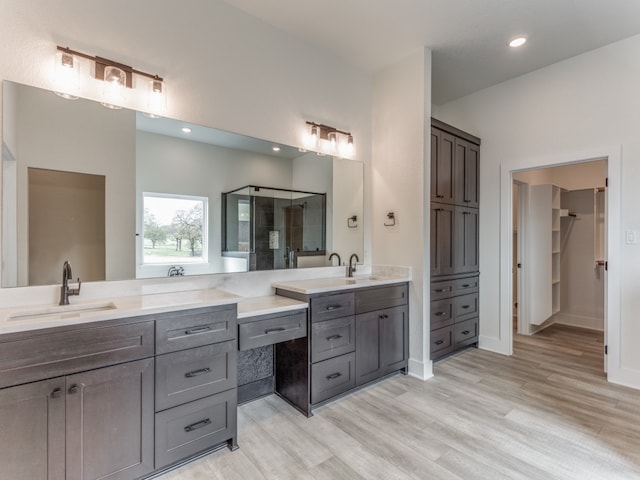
(573, 110)
(347, 201)
(401, 118)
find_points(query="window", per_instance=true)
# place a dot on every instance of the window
(174, 229)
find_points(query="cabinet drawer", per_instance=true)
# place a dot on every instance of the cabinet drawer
(195, 373)
(465, 333)
(194, 328)
(332, 377)
(465, 307)
(441, 342)
(332, 306)
(332, 338)
(190, 428)
(440, 290)
(272, 329)
(371, 299)
(55, 354)
(441, 313)
(465, 285)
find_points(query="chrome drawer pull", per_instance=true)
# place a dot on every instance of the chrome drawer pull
(197, 425)
(333, 376)
(466, 332)
(333, 307)
(334, 337)
(274, 330)
(195, 330)
(195, 373)
(440, 314)
(439, 342)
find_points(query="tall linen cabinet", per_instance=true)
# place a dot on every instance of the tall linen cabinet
(455, 169)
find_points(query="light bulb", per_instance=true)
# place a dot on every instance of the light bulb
(157, 97)
(114, 87)
(67, 76)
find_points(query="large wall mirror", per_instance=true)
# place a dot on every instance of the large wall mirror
(125, 196)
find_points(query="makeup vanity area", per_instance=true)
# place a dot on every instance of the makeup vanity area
(140, 374)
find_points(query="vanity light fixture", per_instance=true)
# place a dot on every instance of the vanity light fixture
(116, 76)
(326, 140)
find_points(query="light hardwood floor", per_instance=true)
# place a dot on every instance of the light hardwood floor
(547, 412)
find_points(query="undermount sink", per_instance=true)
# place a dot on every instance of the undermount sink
(61, 311)
(355, 280)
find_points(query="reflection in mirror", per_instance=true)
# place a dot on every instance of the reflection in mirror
(139, 158)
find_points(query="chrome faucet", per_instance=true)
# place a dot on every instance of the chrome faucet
(65, 291)
(352, 266)
(334, 254)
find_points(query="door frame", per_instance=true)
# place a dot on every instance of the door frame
(613, 155)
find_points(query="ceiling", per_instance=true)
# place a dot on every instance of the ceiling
(467, 37)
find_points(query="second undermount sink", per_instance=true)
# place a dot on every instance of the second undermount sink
(61, 311)
(363, 279)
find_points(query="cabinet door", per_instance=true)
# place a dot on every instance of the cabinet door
(367, 347)
(442, 166)
(394, 339)
(466, 170)
(442, 251)
(466, 252)
(110, 422)
(32, 431)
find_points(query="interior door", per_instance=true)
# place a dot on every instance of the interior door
(521, 265)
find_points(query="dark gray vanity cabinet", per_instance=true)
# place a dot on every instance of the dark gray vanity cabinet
(196, 383)
(87, 424)
(455, 164)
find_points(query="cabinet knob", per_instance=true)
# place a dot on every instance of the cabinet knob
(466, 332)
(56, 393)
(439, 342)
(73, 389)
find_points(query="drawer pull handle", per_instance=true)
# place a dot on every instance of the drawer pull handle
(73, 389)
(440, 314)
(466, 285)
(441, 290)
(466, 306)
(466, 332)
(383, 316)
(439, 196)
(333, 307)
(439, 342)
(274, 330)
(193, 331)
(333, 376)
(196, 373)
(197, 425)
(334, 337)
(56, 393)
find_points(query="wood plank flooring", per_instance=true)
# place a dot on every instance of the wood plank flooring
(547, 412)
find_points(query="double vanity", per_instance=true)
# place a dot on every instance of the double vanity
(132, 386)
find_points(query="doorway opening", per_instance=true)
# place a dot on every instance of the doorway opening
(559, 244)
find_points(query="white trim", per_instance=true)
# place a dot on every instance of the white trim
(492, 344)
(581, 321)
(613, 154)
(421, 370)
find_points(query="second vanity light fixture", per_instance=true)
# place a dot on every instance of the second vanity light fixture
(116, 76)
(326, 140)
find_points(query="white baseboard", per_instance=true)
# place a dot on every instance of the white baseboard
(492, 344)
(626, 377)
(421, 370)
(591, 323)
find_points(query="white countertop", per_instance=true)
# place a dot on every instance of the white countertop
(36, 317)
(252, 307)
(332, 284)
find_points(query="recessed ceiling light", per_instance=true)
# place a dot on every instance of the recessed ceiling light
(275, 148)
(517, 41)
(186, 130)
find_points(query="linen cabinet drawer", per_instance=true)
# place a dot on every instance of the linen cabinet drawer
(332, 377)
(441, 342)
(273, 329)
(465, 333)
(60, 353)
(332, 306)
(465, 285)
(195, 373)
(440, 290)
(179, 331)
(371, 299)
(190, 428)
(331, 338)
(441, 313)
(465, 307)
